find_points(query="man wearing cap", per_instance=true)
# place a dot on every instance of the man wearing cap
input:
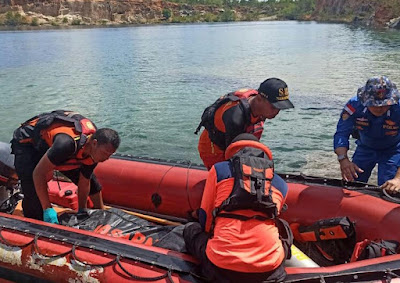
(375, 113)
(242, 111)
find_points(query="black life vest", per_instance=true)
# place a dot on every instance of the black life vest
(253, 172)
(207, 118)
(30, 130)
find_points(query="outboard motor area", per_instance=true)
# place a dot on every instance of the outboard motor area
(9, 185)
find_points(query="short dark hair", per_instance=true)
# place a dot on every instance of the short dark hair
(107, 136)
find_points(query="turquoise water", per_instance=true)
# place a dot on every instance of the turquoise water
(151, 83)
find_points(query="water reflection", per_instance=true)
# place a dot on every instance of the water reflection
(152, 83)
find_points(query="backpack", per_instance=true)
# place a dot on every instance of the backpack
(328, 241)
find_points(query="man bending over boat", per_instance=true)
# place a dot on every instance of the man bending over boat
(64, 141)
(240, 237)
(375, 113)
(242, 111)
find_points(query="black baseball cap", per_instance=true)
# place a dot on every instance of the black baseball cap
(276, 92)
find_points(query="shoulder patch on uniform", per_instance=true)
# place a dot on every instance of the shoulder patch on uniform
(345, 115)
(349, 109)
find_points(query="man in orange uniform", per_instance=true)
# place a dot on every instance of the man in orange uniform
(242, 111)
(240, 237)
(65, 141)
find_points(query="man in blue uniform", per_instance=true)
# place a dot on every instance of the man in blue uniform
(375, 114)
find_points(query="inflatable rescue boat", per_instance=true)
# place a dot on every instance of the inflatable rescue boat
(137, 239)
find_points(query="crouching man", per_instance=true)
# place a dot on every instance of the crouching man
(64, 141)
(240, 237)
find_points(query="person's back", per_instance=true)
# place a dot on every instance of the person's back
(246, 246)
(238, 237)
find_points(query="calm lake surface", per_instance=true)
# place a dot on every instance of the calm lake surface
(152, 83)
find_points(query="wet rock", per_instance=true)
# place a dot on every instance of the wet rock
(394, 23)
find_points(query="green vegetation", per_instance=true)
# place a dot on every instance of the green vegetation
(209, 17)
(65, 20)
(295, 10)
(250, 9)
(223, 16)
(35, 22)
(76, 22)
(15, 19)
(227, 16)
(167, 13)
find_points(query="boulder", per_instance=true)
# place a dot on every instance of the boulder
(394, 23)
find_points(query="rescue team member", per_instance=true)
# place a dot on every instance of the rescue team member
(65, 141)
(8, 176)
(242, 111)
(237, 239)
(375, 113)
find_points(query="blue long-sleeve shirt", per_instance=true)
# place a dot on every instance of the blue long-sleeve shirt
(375, 132)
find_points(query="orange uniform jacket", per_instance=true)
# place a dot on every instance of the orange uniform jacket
(74, 162)
(232, 120)
(26, 132)
(244, 246)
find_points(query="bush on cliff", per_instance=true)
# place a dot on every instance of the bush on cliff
(227, 16)
(15, 19)
(210, 17)
(167, 13)
(35, 22)
(296, 10)
(76, 22)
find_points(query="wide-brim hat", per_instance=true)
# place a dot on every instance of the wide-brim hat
(379, 91)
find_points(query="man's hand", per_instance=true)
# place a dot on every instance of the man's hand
(50, 215)
(349, 170)
(392, 186)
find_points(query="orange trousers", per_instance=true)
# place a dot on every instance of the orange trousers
(209, 152)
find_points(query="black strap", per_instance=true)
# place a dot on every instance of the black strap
(244, 218)
(285, 235)
(198, 128)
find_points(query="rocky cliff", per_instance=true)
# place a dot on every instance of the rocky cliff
(95, 12)
(89, 11)
(375, 13)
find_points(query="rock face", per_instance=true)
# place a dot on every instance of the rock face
(375, 13)
(129, 11)
(104, 12)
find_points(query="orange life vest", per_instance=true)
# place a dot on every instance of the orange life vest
(245, 208)
(41, 130)
(207, 119)
(253, 172)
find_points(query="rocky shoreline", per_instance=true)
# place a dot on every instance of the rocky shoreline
(40, 14)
